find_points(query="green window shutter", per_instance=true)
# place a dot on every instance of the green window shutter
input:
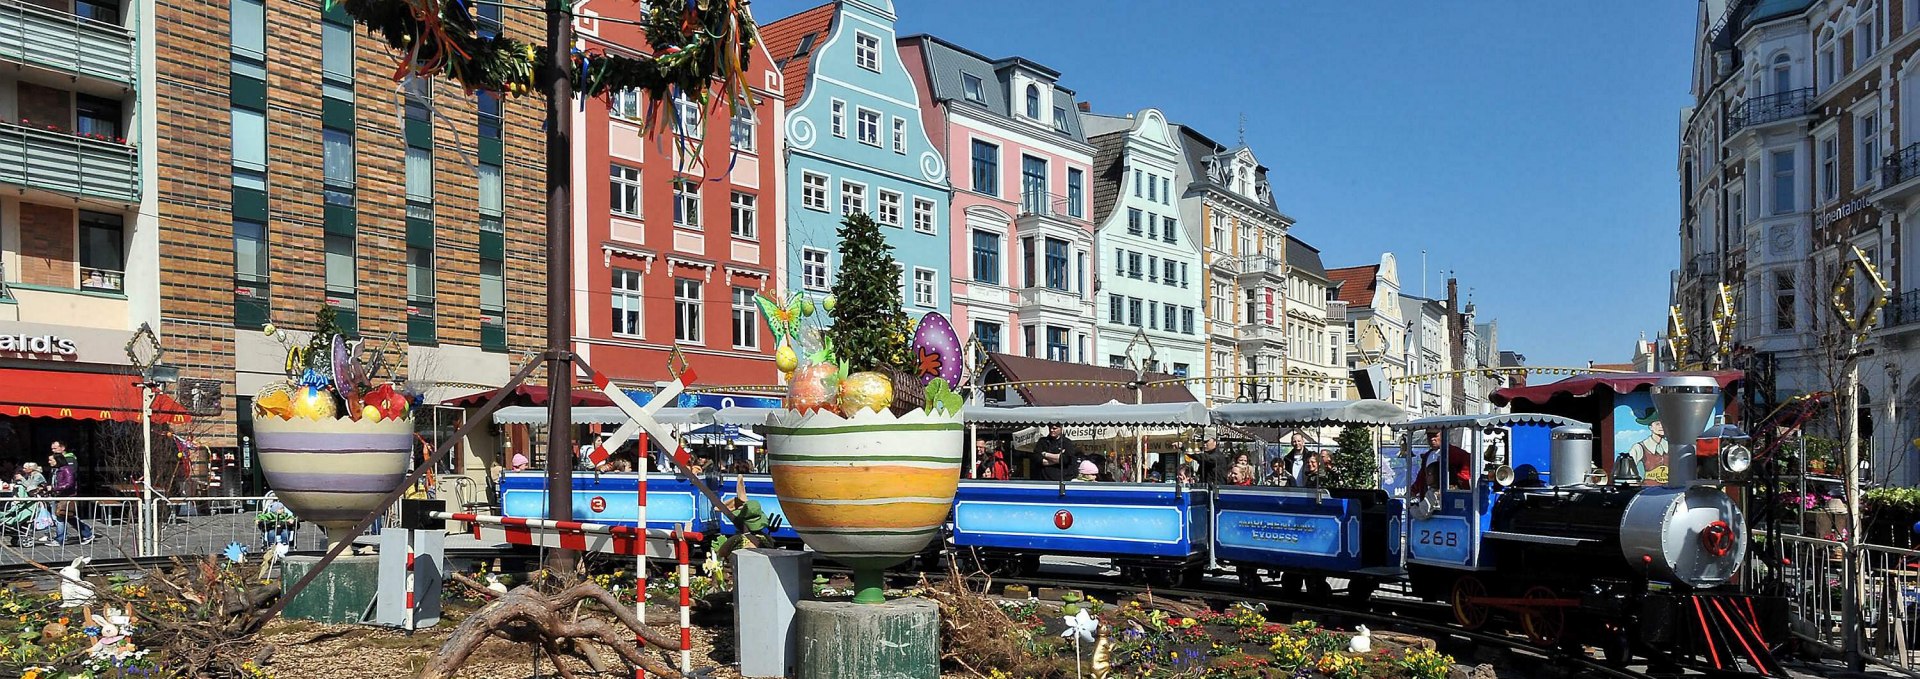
(249, 204)
(339, 220)
(336, 114)
(248, 92)
(419, 233)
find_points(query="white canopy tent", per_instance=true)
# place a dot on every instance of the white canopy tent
(537, 415)
(1111, 413)
(1319, 413)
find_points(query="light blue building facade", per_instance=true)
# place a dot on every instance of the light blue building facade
(856, 142)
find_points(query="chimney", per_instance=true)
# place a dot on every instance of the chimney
(1457, 345)
(1086, 107)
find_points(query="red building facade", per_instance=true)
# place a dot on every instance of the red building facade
(674, 234)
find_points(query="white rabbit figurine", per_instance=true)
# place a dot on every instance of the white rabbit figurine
(75, 592)
(1362, 642)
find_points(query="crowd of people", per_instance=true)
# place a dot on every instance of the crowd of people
(46, 523)
(1057, 458)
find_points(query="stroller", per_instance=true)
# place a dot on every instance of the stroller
(276, 524)
(20, 520)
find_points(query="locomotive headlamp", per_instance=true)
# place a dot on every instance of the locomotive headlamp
(1736, 458)
(1503, 475)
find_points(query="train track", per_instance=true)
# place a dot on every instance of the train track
(18, 571)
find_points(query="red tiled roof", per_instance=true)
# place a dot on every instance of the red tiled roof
(1024, 369)
(1355, 283)
(783, 37)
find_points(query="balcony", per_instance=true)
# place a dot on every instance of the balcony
(1897, 174)
(69, 165)
(66, 43)
(1769, 109)
(1049, 213)
(1704, 266)
(1902, 310)
(1261, 333)
(1261, 266)
(1044, 300)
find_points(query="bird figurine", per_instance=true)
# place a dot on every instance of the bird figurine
(1102, 656)
(494, 584)
(74, 592)
(1362, 642)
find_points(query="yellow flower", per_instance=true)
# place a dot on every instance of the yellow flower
(1188, 622)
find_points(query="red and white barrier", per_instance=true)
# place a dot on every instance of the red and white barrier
(642, 421)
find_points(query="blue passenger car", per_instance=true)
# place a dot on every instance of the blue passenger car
(759, 489)
(611, 498)
(1137, 525)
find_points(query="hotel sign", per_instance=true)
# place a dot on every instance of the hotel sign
(39, 346)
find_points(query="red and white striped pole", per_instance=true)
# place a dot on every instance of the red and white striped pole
(410, 588)
(686, 600)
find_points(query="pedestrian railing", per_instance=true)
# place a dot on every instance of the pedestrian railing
(1813, 575)
(202, 526)
(56, 530)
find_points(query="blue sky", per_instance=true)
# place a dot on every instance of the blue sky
(1527, 146)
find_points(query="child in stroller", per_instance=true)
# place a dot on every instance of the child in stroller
(17, 518)
(276, 524)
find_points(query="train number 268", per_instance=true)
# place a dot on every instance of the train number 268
(1439, 538)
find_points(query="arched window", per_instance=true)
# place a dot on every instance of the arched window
(1827, 73)
(1033, 100)
(1782, 73)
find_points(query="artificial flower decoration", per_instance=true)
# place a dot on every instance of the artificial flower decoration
(235, 552)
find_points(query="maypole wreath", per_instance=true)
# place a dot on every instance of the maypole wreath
(698, 42)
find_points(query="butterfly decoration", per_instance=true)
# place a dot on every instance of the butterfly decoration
(941, 397)
(784, 319)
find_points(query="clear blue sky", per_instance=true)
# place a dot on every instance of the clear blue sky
(1529, 146)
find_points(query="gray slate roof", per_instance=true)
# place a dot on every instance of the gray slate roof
(1305, 259)
(946, 62)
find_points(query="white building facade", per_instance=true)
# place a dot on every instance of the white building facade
(1427, 356)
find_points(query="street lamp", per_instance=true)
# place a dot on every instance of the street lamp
(1138, 386)
(144, 352)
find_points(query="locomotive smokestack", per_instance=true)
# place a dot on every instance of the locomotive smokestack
(1572, 455)
(1685, 406)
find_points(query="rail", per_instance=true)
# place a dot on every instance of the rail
(1903, 309)
(1900, 166)
(1813, 575)
(1769, 109)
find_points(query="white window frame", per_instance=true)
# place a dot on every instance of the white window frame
(837, 118)
(925, 287)
(924, 214)
(743, 129)
(853, 197)
(627, 179)
(887, 206)
(866, 55)
(1829, 170)
(900, 135)
(629, 299)
(813, 196)
(687, 309)
(625, 105)
(690, 121)
(812, 260)
(747, 315)
(1866, 146)
(686, 204)
(973, 88)
(866, 125)
(745, 216)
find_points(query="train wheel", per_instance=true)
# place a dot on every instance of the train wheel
(1470, 614)
(1543, 623)
(1249, 576)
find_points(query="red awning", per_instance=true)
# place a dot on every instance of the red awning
(529, 395)
(1618, 383)
(80, 396)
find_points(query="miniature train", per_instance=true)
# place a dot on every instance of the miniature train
(1575, 560)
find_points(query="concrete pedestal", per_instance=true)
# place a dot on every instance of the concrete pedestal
(340, 593)
(769, 583)
(899, 639)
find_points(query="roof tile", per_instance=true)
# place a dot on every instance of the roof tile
(785, 36)
(1355, 283)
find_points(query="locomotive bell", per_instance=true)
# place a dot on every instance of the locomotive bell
(1685, 406)
(1572, 454)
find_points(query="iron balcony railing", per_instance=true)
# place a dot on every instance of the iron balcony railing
(62, 41)
(1903, 309)
(1770, 108)
(1705, 265)
(1900, 166)
(68, 164)
(1046, 204)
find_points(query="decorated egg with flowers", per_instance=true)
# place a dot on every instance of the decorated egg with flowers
(936, 350)
(812, 387)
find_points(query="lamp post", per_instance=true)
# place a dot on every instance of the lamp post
(1138, 386)
(144, 352)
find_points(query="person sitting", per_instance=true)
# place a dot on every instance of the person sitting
(1458, 460)
(1088, 471)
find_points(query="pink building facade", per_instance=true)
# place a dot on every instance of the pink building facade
(1024, 268)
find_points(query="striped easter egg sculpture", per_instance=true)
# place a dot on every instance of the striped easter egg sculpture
(870, 490)
(333, 472)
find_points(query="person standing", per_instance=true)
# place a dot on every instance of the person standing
(1456, 459)
(1057, 454)
(66, 484)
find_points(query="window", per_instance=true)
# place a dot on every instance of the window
(339, 264)
(1221, 306)
(1033, 185)
(1169, 269)
(1782, 74)
(1736, 214)
(1133, 221)
(1153, 189)
(1183, 274)
(867, 126)
(1186, 320)
(1864, 44)
(970, 84)
(743, 127)
(1153, 227)
(924, 280)
(1137, 179)
(1168, 226)
(1153, 315)
(813, 191)
(1166, 191)
(988, 334)
(250, 262)
(419, 274)
(336, 60)
(625, 104)
(899, 135)
(624, 198)
(1829, 169)
(813, 269)
(1785, 309)
(688, 117)
(986, 168)
(1116, 361)
(102, 251)
(417, 97)
(97, 115)
(1153, 268)
(1866, 134)
(337, 162)
(923, 216)
(986, 257)
(686, 310)
(1219, 232)
(746, 320)
(1133, 311)
(490, 115)
(743, 215)
(628, 303)
(1033, 101)
(1116, 313)
(1060, 118)
(866, 51)
(248, 36)
(1133, 265)
(1075, 196)
(250, 147)
(493, 287)
(1057, 343)
(838, 119)
(1783, 182)
(1827, 62)
(1057, 264)
(889, 207)
(419, 175)
(853, 197)
(686, 203)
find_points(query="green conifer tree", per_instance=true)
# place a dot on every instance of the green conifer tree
(1355, 464)
(868, 325)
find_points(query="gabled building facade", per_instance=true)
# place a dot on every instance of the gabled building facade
(1376, 330)
(1022, 253)
(1314, 353)
(674, 235)
(1427, 355)
(857, 142)
(1149, 265)
(1227, 206)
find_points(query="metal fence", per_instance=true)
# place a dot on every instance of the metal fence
(1813, 575)
(58, 530)
(207, 525)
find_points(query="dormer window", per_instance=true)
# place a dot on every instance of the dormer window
(971, 84)
(866, 51)
(1033, 101)
(1060, 118)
